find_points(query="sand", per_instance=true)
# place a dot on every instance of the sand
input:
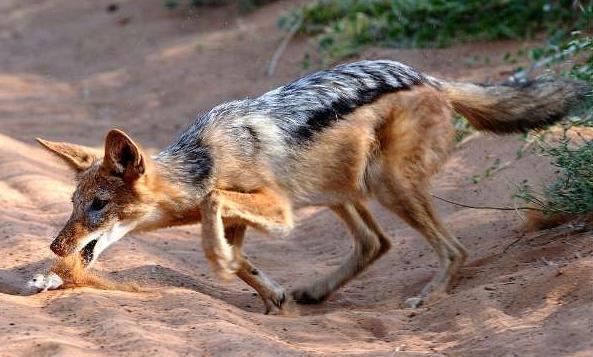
(70, 70)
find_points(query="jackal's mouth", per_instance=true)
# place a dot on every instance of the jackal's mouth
(87, 252)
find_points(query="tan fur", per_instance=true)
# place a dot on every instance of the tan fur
(270, 291)
(347, 144)
(414, 148)
(262, 210)
(79, 158)
(387, 150)
(412, 139)
(74, 274)
(517, 107)
(370, 243)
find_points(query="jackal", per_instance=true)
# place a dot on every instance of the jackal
(370, 129)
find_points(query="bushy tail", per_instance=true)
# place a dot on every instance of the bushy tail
(512, 108)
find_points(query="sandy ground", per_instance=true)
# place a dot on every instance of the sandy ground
(69, 70)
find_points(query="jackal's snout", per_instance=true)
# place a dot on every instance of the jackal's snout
(67, 241)
(59, 248)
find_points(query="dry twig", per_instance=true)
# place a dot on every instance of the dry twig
(280, 50)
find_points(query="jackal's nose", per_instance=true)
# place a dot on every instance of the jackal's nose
(58, 248)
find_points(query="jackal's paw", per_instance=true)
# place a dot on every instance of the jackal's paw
(414, 302)
(307, 296)
(274, 304)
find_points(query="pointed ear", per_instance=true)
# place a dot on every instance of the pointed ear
(123, 157)
(79, 158)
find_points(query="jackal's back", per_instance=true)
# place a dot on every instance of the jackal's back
(269, 134)
(316, 101)
(311, 103)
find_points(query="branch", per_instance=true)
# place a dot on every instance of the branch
(487, 207)
(291, 32)
(546, 61)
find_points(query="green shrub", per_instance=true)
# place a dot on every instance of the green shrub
(244, 5)
(572, 190)
(343, 27)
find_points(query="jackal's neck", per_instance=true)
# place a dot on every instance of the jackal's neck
(174, 193)
(187, 167)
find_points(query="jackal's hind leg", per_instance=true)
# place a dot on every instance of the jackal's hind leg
(271, 292)
(412, 203)
(369, 244)
(261, 210)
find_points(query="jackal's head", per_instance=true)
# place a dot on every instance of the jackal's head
(111, 198)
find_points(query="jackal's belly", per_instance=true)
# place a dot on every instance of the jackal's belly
(332, 167)
(328, 172)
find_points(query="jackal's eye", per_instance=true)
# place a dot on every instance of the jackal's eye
(98, 204)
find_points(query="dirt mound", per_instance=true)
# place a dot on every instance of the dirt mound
(518, 295)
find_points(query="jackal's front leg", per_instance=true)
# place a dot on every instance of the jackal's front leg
(271, 293)
(262, 210)
(218, 251)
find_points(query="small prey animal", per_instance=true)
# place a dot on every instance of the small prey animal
(370, 129)
(45, 282)
(70, 272)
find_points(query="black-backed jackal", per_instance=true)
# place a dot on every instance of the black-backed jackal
(371, 129)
